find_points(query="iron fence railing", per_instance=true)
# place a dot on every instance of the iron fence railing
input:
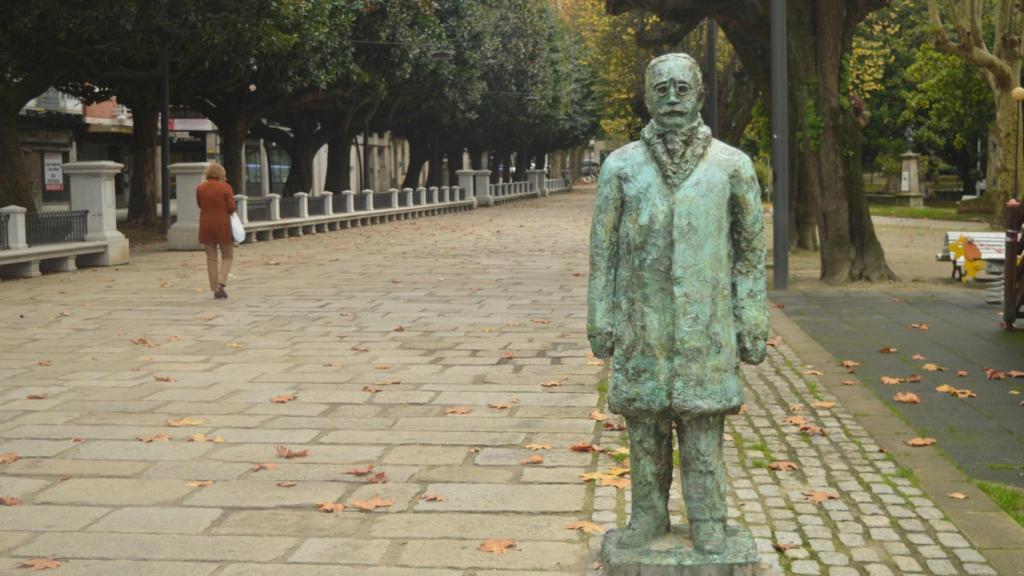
(55, 227)
(290, 207)
(317, 205)
(259, 209)
(3, 231)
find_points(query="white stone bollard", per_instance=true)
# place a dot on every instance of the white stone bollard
(445, 194)
(481, 188)
(433, 194)
(303, 204)
(242, 208)
(368, 194)
(421, 196)
(394, 197)
(536, 181)
(407, 193)
(92, 189)
(16, 238)
(466, 178)
(349, 198)
(275, 206)
(328, 202)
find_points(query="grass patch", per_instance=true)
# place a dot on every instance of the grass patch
(759, 463)
(1010, 499)
(1006, 466)
(925, 213)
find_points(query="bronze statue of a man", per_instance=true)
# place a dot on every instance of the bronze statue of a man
(678, 298)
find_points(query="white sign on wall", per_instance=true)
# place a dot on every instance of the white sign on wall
(53, 173)
(905, 181)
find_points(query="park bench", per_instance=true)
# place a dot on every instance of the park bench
(992, 246)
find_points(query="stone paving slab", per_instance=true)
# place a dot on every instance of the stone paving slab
(465, 288)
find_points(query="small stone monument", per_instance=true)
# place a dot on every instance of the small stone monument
(677, 299)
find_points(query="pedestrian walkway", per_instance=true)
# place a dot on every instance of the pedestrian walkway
(430, 376)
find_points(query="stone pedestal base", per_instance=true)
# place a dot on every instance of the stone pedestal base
(674, 555)
(183, 236)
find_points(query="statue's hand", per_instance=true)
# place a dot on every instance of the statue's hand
(602, 345)
(752, 351)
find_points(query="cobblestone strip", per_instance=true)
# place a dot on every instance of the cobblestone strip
(879, 523)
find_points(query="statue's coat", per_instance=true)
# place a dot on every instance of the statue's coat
(677, 280)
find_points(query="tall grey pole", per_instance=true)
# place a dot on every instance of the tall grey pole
(711, 76)
(366, 155)
(780, 145)
(165, 142)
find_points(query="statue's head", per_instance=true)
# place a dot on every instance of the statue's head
(674, 90)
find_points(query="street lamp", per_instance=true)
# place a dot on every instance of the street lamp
(1018, 96)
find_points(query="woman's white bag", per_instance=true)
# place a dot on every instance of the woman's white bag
(237, 230)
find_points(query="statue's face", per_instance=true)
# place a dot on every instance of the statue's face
(675, 93)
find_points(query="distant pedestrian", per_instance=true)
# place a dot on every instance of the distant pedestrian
(216, 202)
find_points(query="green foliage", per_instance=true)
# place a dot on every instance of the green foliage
(1010, 499)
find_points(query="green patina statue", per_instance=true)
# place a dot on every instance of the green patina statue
(677, 298)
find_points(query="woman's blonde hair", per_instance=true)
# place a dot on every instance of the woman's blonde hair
(215, 171)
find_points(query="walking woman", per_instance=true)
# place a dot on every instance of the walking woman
(216, 202)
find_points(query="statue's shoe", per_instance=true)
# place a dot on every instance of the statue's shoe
(708, 536)
(639, 536)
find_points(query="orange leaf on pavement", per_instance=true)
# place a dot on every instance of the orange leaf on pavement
(918, 442)
(783, 465)
(497, 546)
(823, 405)
(933, 367)
(917, 357)
(330, 507)
(186, 421)
(199, 483)
(957, 495)
(35, 564)
(266, 466)
(9, 501)
(283, 399)
(161, 437)
(500, 406)
(584, 447)
(597, 415)
(458, 410)
(164, 378)
(433, 498)
(919, 326)
(907, 398)
(359, 470)
(378, 478)
(586, 526)
(891, 380)
(534, 459)
(889, 350)
(538, 446)
(372, 504)
(286, 452)
(820, 497)
(286, 484)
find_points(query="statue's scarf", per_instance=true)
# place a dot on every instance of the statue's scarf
(676, 151)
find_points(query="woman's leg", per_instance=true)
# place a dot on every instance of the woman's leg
(227, 253)
(211, 265)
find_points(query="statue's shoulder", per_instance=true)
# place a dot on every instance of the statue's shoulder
(727, 154)
(624, 157)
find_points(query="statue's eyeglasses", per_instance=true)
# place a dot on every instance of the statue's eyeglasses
(682, 89)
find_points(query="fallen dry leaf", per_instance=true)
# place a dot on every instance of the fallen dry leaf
(534, 459)
(820, 497)
(286, 452)
(783, 547)
(433, 498)
(186, 421)
(283, 399)
(8, 457)
(537, 447)
(919, 326)
(235, 345)
(783, 465)
(913, 378)
(774, 341)
(891, 380)
(918, 357)
(796, 420)
(286, 484)
(849, 364)
(35, 564)
(918, 442)
(372, 504)
(359, 470)
(9, 501)
(161, 437)
(382, 366)
(823, 405)
(1015, 373)
(330, 507)
(371, 389)
(458, 410)
(142, 341)
(360, 348)
(797, 408)
(850, 382)
(889, 350)
(620, 483)
(508, 355)
(933, 368)
(813, 373)
(205, 438)
(378, 478)
(907, 398)
(961, 373)
(540, 321)
(551, 384)
(164, 378)
(613, 426)
(499, 406)
(957, 495)
(585, 526)
(265, 466)
(743, 409)
(199, 483)
(399, 328)
(812, 430)
(389, 383)
(496, 546)
(993, 374)
(37, 397)
(584, 447)
(332, 365)
(597, 415)
(45, 363)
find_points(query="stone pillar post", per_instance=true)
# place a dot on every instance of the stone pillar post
(92, 189)
(349, 200)
(275, 206)
(328, 202)
(368, 194)
(303, 204)
(433, 195)
(445, 190)
(466, 178)
(394, 197)
(910, 183)
(15, 227)
(407, 194)
(481, 187)
(536, 179)
(421, 196)
(184, 233)
(242, 207)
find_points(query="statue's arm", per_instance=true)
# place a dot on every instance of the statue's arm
(749, 287)
(604, 237)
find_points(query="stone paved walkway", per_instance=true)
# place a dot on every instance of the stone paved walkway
(434, 350)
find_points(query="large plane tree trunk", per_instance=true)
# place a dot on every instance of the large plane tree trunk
(142, 196)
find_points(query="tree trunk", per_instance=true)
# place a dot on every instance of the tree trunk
(831, 140)
(454, 153)
(522, 164)
(418, 155)
(476, 155)
(1006, 144)
(339, 164)
(15, 188)
(233, 129)
(142, 198)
